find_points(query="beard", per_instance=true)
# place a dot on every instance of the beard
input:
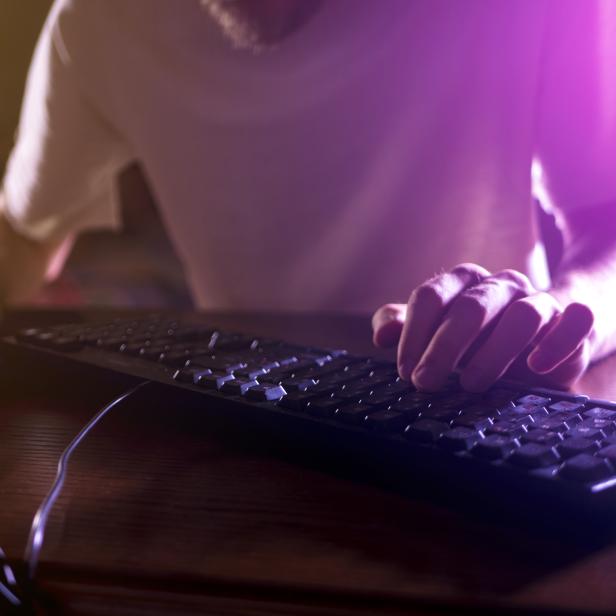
(258, 25)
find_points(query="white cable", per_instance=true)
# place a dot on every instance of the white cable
(37, 530)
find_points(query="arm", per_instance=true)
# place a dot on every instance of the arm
(587, 273)
(60, 178)
(24, 263)
(486, 325)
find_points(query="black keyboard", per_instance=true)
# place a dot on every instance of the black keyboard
(546, 445)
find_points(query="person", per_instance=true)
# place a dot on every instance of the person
(311, 155)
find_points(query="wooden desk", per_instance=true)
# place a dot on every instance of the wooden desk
(162, 514)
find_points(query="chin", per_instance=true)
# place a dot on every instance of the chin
(257, 26)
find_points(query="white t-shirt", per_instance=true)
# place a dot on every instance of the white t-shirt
(383, 141)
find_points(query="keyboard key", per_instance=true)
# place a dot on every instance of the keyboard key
(566, 405)
(266, 393)
(587, 432)
(297, 400)
(338, 379)
(533, 455)
(287, 360)
(534, 400)
(353, 414)
(459, 439)
(214, 380)
(399, 387)
(457, 402)
(324, 407)
(277, 375)
(380, 398)
(411, 410)
(318, 372)
(323, 389)
(495, 447)
(298, 384)
(610, 439)
(250, 373)
(609, 453)
(500, 397)
(190, 375)
(510, 429)
(571, 418)
(385, 372)
(175, 359)
(550, 424)
(67, 344)
(233, 342)
(585, 468)
(111, 343)
(421, 397)
(573, 446)
(542, 437)
(386, 421)
(217, 364)
(439, 413)
(523, 410)
(238, 387)
(599, 413)
(476, 420)
(607, 426)
(152, 353)
(27, 335)
(265, 363)
(426, 430)
(355, 390)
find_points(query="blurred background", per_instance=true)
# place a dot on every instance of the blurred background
(134, 268)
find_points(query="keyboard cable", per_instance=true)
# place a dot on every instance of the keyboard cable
(9, 588)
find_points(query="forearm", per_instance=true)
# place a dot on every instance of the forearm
(24, 263)
(587, 273)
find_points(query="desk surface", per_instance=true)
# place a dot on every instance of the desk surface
(160, 513)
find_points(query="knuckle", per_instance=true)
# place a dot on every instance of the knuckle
(380, 314)
(387, 311)
(472, 271)
(471, 307)
(429, 295)
(386, 314)
(517, 278)
(523, 312)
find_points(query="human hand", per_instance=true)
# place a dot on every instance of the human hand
(485, 326)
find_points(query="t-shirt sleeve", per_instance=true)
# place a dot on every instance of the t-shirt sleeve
(576, 123)
(61, 175)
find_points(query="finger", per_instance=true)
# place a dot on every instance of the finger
(425, 311)
(469, 315)
(387, 323)
(573, 326)
(518, 327)
(570, 370)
